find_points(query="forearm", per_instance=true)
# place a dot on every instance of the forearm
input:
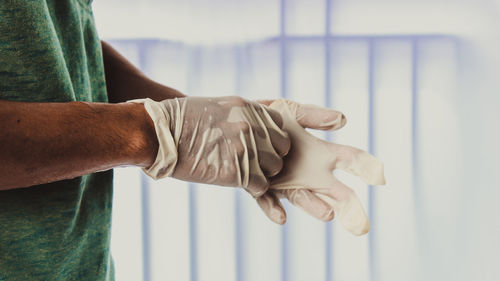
(46, 142)
(124, 81)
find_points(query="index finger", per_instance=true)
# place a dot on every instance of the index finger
(310, 115)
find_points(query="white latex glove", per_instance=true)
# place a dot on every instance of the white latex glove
(307, 179)
(227, 141)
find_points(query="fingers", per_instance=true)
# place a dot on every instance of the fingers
(272, 142)
(310, 116)
(320, 118)
(348, 207)
(309, 202)
(254, 157)
(359, 163)
(254, 181)
(272, 207)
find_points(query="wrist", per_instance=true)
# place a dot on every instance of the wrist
(144, 143)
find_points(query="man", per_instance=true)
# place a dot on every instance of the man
(60, 138)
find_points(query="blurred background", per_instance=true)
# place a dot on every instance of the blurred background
(419, 82)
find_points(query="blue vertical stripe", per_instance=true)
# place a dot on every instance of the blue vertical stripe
(146, 221)
(146, 229)
(193, 78)
(193, 242)
(237, 193)
(371, 150)
(238, 236)
(414, 120)
(417, 196)
(328, 103)
(327, 39)
(284, 94)
(283, 53)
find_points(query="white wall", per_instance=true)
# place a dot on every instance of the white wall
(432, 67)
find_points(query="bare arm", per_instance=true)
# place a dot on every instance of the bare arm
(46, 142)
(124, 81)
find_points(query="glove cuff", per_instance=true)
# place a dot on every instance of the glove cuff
(166, 159)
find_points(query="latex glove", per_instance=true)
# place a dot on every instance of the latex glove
(307, 179)
(225, 141)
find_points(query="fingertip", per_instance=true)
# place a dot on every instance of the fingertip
(382, 174)
(262, 190)
(353, 217)
(258, 185)
(280, 218)
(381, 180)
(343, 120)
(272, 207)
(377, 173)
(363, 230)
(329, 215)
(256, 193)
(277, 168)
(335, 124)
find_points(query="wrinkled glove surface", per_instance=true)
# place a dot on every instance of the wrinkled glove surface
(228, 141)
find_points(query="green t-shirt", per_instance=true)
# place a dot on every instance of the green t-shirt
(50, 52)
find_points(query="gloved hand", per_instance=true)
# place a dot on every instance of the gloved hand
(227, 141)
(307, 179)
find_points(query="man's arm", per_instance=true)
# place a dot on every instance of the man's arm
(124, 81)
(46, 142)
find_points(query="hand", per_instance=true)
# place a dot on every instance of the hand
(307, 180)
(227, 141)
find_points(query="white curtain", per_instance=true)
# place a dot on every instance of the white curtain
(418, 82)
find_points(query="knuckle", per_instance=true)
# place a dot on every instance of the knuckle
(277, 168)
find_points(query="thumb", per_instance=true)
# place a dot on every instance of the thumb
(309, 115)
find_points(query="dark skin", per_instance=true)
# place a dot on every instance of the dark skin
(78, 138)
(125, 82)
